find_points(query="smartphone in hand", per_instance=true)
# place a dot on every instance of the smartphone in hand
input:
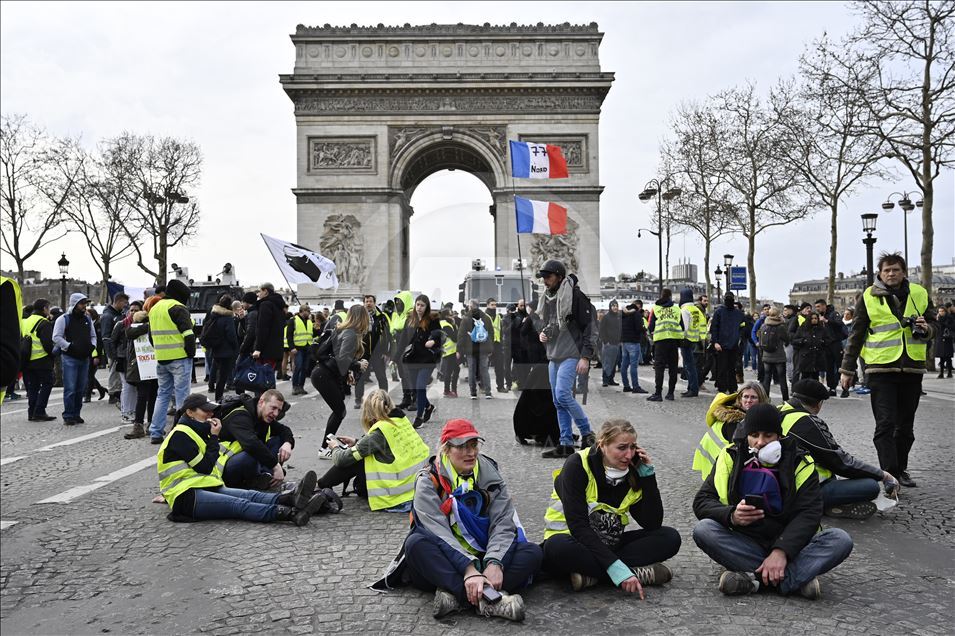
(756, 501)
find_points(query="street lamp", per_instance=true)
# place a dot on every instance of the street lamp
(907, 206)
(654, 188)
(719, 292)
(64, 270)
(728, 266)
(868, 226)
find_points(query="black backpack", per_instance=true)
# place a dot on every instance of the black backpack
(210, 338)
(322, 348)
(769, 338)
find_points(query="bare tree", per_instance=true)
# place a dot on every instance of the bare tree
(904, 55)
(162, 173)
(704, 205)
(822, 121)
(100, 212)
(751, 160)
(39, 174)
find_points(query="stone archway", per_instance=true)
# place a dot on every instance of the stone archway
(378, 109)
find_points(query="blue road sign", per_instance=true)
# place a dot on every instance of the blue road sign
(737, 278)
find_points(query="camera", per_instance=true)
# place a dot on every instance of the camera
(917, 330)
(550, 330)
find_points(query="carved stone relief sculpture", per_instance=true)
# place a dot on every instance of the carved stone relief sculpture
(351, 154)
(563, 247)
(343, 243)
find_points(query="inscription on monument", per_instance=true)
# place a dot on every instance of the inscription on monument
(313, 102)
(346, 154)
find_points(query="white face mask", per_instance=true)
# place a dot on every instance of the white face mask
(771, 453)
(615, 475)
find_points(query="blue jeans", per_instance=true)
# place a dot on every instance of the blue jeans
(419, 379)
(75, 372)
(739, 553)
(749, 353)
(563, 375)
(174, 380)
(242, 467)
(689, 365)
(630, 360)
(234, 503)
(837, 491)
(608, 361)
(301, 361)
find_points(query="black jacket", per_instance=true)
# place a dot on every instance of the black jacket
(632, 327)
(611, 328)
(182, 447)
(418, 336)
(534, 350)
(571, 487)
(270, 327)
(133, 331)
(250, 327)
(241, 423)
(791, 529)
(814, 437)
(468, 348)
(378, 339)
(107, 322)
(809, 347)
(220, 325)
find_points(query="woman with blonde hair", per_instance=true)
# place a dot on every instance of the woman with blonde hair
(340, 363)
(384, 461)
(595, 494)
(725, 412)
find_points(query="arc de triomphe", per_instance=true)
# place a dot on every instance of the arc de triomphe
(378, 109)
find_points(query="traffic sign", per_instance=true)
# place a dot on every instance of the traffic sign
(737, 278)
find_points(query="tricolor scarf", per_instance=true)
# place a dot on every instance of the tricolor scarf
(465, 506)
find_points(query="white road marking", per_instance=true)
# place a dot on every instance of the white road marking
(6, 524)
(99, 482)
(77, 440)
(10, 460)
(939, 396)
(12, 412)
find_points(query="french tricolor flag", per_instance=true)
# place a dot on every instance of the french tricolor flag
(539, 217)
(537, 161)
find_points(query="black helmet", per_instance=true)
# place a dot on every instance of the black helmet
(552, 267)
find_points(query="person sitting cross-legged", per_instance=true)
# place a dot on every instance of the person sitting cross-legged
(759, 513)
(595, 493)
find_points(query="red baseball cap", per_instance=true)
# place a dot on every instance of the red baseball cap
(459, 432)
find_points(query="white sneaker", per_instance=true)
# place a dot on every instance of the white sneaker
(325, 453)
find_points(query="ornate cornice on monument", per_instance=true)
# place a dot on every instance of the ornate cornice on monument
(433, 30)
(449, 101)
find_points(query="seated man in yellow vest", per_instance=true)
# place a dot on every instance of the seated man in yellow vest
(385, 461)
(253, 443)
(851, 497)
(759, 513)
(190, 485)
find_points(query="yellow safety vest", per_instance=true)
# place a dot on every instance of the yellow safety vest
(556, 523)
(228, 449)
(724, 468)
(178, 476)
(303, 332)
(27, 328)
(886, 338)
(697, 326)
(666, 323)
(450, 346)
(390, 485)
(712, 441)
(496, 323)
(168, 341)
(18, 301)
(790, 417)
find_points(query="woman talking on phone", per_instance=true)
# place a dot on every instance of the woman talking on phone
(595, 493)
(342, 364)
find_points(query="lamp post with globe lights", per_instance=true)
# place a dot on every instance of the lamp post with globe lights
(654, 188)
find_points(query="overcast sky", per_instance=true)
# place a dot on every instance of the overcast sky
(209, 72)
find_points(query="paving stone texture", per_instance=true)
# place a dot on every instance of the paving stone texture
(110, 562)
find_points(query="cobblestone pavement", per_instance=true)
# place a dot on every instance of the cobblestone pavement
(108, 561)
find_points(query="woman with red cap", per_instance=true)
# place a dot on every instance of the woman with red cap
(466, 542)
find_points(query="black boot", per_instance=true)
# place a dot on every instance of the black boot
(287, 513)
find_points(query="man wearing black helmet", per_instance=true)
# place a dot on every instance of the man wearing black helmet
(569, 333)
